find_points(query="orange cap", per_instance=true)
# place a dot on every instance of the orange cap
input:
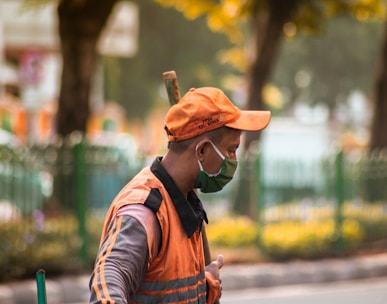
(206, 109)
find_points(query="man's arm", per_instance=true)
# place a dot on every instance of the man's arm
(121, 263)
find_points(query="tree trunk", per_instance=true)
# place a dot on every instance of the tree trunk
(267, 42)
(379, 122)
(80, 25)
(267, 29)
(375, 184)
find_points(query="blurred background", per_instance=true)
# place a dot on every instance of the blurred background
(82, 103)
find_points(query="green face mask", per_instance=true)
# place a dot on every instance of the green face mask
(215, 182)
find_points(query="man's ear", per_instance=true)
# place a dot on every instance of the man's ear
(201, 148)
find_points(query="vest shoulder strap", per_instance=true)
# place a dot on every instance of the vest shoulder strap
(154, 199)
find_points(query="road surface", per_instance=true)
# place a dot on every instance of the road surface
(370, 291)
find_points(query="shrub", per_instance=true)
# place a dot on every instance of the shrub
(289, 239)
(52, 244)
(309, 240)
(233, 232)
(291, 231)
(371, 217)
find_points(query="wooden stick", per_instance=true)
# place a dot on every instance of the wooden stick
(172, 86)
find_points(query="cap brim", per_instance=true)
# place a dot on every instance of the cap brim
(251, 121)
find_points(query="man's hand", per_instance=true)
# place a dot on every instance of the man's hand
(214, 267)
(213, 280)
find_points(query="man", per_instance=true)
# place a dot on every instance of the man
(151, 248)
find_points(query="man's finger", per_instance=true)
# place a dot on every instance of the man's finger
(220, 261)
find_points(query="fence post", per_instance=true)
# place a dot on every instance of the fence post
(41, 286)
(259, 189)
(339, 167)
(260, 195)
(79, 148)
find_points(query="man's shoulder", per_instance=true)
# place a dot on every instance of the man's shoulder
(145, 179)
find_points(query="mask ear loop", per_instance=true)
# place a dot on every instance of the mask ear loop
(217, 150)
(201, 166)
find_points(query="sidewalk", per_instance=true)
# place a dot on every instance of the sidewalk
(74, 290)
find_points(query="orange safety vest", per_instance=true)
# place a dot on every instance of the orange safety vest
(176, 275)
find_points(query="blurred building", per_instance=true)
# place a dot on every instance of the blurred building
(30, 63)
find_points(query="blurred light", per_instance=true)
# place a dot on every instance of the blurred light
(302, 79)
(290, 29)
(273, 97)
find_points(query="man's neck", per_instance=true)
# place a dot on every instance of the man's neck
(179, 168)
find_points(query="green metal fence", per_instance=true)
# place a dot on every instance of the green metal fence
(53, 198)
(22, 181)
(341, 186)
(338, 176)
